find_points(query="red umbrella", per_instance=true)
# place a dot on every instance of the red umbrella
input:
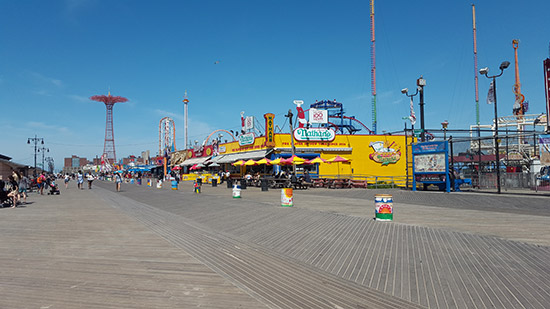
(194, 167)
(176, 168)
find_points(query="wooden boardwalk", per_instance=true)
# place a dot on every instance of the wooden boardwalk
(148, 248)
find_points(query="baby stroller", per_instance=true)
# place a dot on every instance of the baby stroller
(53, 188)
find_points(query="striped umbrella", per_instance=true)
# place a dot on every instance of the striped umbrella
(238, 163)
(295, 160)
(263, 161)
(317, 160)
(250, 162)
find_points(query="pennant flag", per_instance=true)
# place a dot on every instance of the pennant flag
(491, 94)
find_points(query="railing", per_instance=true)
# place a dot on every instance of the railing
(370, 181)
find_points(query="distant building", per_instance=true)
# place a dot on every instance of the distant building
(133, 159)
(73, 164)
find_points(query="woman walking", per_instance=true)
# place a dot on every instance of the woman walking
(23, 187)
(118, 181)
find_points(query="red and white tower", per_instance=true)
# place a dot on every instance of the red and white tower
(109, 145)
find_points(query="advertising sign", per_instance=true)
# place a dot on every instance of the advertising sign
(249, 123)
(384, 153)
(246, 139)
(431, 164)
(544, 146)
(269, 130)
(318, 115)
(314, 134)
(547, 88)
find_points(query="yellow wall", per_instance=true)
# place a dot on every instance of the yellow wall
(361, 164)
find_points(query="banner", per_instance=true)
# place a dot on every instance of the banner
(269, 130)
(491, 94)
(249, 123)
(547, 88)
(318, 115)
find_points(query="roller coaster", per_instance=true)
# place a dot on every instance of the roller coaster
(342, 123)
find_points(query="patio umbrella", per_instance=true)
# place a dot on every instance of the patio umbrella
(338, 159)
(295, 160)
(263, 161)
(317, 160)
(214, 165)
(194, 167)
(250, 162)
(278, 161)
(176, 168)
(238, 163)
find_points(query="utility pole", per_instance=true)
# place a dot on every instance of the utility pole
(290, 115)
(44, 150)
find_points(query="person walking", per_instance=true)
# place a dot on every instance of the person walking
(90, 179)
(23, 187)
(80, 180)
(41, 181)
(67, 178)
(118, 181)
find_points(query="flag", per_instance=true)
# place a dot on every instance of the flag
(491, 93)
(412, 117)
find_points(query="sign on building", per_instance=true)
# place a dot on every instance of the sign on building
(314, 134)
(249, 123)
(318, 115)
(269, 130)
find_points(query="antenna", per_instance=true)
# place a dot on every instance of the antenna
(373, 67)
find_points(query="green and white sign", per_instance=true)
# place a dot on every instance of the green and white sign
(314, 135)
(246, 139)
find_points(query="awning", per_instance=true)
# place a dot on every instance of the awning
(232, 157)
(14, 165)
(193, 161)
(310, 150)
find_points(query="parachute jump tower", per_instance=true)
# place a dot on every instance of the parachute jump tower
(373, 68)
(109, 145)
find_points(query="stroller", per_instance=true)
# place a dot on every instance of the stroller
(54, 189)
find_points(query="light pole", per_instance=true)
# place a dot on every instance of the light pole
(412, 118)
(485, 72)
(421, 82)
(290, 115)
(35, 140)
(43, 150)
(445, 124)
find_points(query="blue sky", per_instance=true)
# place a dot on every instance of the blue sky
(54, 55)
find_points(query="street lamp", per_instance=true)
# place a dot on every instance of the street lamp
(485, 72)
(35, 141)
(412, 118)
(44, 150)
(445, 124)
(421, 82)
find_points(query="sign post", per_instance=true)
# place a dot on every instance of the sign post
(431, 164)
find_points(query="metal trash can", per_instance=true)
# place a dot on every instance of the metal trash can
(199, 181)
(383, 207)
(229, 183)
(243, 184)
(264, 184)
(214, 182)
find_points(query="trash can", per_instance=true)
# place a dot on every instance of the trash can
(229, 183)
(214, 182)
(237, 191)
(264, 184)
(199, 181)
(383, 207)
(287, 197)
(243, 184)
(174, 185)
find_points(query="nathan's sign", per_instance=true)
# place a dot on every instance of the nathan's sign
(246, 139)
(269, 130)
(314, 134)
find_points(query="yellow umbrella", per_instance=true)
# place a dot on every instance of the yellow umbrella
(250, 162)
(295, 160)
(317, 160)
(263, 161)
(278, 161)
(338, 159)
(238, 163)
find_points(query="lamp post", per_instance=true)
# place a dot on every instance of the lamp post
(421, 82)
(445, 124)
(485, 72)
(412, 118)
(35, 141)
(290, 115)
(43, 150)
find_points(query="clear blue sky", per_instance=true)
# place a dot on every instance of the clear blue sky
(54, 55)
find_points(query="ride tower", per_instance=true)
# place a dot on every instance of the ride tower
(109, 144)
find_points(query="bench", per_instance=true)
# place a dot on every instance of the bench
(355, 183)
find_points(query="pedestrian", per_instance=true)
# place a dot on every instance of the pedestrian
(90, 179)
(41, 181)
(80, 180)
(118, 181)
(13, 190)
(67, 178)
(23, 186)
